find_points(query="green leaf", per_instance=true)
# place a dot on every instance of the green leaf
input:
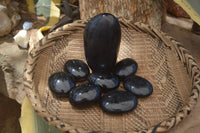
(42, 126)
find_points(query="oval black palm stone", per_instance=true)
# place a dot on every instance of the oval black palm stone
(102, 37)
(77, 68)
(105, 81)
(118, 102)
(138, 86)
(84, 95)
(60, 83)
(125, 68)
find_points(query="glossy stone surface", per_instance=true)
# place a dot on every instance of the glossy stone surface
(77, 68)
(102, 37)
(138, 86)
(105, 81)
(60, 83)
(84, 94)
(118, 102)
(125, 68)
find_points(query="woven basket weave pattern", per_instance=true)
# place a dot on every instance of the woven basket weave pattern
(161, 60)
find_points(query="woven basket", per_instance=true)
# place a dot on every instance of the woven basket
(172, 71)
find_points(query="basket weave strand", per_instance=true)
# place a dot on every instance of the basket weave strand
(162, 60)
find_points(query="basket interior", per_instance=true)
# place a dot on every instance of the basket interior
(156, 62)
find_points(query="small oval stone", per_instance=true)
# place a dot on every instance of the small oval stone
(105, 81)
(125, 68)
(77, 68)
(138, 86)
(118, 102)
(60, 83)
(84, 94)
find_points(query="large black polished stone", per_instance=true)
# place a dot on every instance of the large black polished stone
(102, 37)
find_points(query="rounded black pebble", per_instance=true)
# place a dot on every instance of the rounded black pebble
(77, 68)
(138, 86)
(84, 95)
(105, 81)
(125, 68)
(118, 102)
(102, 38)
(60, 83)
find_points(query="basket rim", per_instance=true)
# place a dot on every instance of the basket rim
(183, 54)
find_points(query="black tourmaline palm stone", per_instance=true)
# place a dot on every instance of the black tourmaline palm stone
(77, 68)
(102, 37)
(84, 95)
(107, 82)
(60, 83)
(125, 68)
(138, 86)
(118, 102)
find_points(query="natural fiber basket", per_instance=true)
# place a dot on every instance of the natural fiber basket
(170, 68)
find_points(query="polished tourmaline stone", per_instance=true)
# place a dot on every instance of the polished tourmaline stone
(125, 68)
(77, 68)
(138, 86)
(84, 95)
(102, 37)
(60, 83)
(118, 102)
(105, 81)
